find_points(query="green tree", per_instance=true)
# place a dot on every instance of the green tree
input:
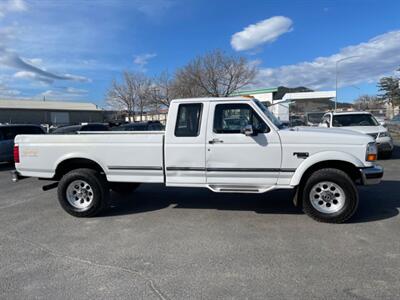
(390, 89)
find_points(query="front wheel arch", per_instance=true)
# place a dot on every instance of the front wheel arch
(350, 169)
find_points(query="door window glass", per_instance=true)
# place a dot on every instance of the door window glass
(188, 120)
(232, 118)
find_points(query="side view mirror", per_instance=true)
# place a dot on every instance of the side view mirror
(247, 130)
(383, 123)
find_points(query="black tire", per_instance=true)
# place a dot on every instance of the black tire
(99, 192)
(124, 188)
(340, 179)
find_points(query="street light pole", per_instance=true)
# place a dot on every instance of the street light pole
(336, 71)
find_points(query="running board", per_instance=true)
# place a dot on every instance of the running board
(239, 189)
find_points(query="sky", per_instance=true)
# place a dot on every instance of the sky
(71, 50)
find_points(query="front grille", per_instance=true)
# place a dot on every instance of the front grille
(374, 135)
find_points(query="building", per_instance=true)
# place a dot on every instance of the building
(48, 112)
(292, 102)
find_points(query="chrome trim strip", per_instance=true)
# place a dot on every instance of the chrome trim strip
(142, 168)
(230, 169)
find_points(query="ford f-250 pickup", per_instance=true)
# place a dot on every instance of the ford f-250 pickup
(225, 144)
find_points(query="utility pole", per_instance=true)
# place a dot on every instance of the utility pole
(336, 71)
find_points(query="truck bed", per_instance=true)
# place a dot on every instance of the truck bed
(124, 156)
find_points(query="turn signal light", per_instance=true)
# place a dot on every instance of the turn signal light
(16, 154)
(371, 157)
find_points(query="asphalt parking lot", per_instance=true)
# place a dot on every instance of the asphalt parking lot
(192, 244)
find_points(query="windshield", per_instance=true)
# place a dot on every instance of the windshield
(354, 120)
(269, 114)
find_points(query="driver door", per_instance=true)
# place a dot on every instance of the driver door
(234, 158)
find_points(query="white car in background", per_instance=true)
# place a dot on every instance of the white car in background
(363, 122)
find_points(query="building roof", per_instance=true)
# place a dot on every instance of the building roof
(254, 92)
(48, 105)
(326, 95)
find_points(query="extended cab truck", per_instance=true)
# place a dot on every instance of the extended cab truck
(203, 146)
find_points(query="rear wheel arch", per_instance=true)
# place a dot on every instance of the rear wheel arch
(70, 164)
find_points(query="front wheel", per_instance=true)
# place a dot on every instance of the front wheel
(330, 196)
(83, 192)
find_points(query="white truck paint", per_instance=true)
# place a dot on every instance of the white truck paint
(236, 146)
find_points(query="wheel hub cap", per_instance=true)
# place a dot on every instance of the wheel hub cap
(327, 197)
(79, 194)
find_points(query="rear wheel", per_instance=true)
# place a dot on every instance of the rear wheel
(83, 192)
(124, 188)
(329, 195)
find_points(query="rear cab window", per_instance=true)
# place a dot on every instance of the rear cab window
(188, 120)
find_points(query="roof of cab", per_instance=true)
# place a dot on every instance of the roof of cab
(211, 99)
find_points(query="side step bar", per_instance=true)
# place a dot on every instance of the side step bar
(239, 189)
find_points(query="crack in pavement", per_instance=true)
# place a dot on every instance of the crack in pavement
(55, 253)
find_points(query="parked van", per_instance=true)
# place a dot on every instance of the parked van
(7, 135)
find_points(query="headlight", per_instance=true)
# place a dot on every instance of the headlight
(384, 134)
(372, 152)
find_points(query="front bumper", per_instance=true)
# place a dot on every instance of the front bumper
(371, 175)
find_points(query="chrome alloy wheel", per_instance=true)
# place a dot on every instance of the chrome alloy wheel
(327, 197)
(79, 194)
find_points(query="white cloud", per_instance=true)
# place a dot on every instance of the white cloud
(27, 75)
(75, 91)
(143, 59)
(12, 6)
(65, 93)
(153, 8)
(11, 59)
(6, 92)
(266, 31)
(373, 59)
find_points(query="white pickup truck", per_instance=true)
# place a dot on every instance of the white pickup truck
(225, 144)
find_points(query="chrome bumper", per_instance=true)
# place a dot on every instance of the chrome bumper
(371, 175)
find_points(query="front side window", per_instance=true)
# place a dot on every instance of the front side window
(188, 120)
(269, 114)
(232, 118)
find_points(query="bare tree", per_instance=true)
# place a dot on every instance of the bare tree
(368, 102)
(131, 95)
(162, 89)
(215, 74)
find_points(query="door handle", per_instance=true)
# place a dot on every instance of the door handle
(215, 141)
